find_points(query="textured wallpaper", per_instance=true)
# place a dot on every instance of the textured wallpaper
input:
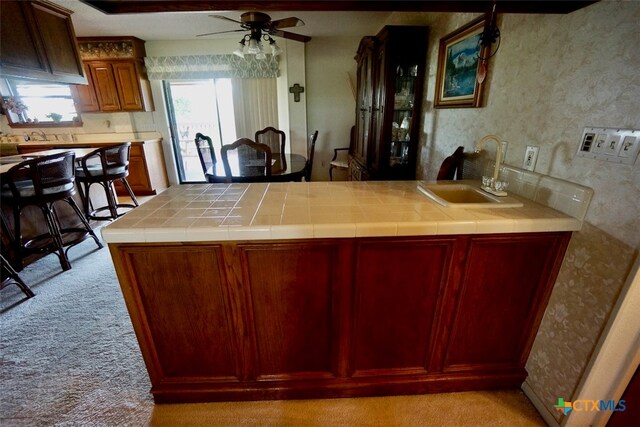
(554, 75)
(592, 275)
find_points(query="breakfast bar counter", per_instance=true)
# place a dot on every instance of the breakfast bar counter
(333, 289)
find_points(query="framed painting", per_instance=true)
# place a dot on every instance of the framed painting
(457, 83)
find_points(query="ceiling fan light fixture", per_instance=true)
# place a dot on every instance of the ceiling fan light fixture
(275, 49)
(254, 46)
(240, 49)
(261, 55)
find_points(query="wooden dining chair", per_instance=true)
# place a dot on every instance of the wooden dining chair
(253, 161)
(206, 153)
(274, 138)
(451, 166)
(342, 163)
(311, 148)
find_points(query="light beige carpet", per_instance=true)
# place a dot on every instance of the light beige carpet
(69, 357)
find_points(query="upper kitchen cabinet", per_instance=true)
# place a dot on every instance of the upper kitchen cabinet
(38, 42)
(116, 74)
(391, 70)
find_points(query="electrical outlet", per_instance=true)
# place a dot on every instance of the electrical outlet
(530, 157)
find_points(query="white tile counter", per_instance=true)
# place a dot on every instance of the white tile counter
(264, 211)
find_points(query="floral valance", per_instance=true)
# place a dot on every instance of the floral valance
(210, 66)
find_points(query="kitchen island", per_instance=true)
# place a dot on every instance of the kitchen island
(307, 290)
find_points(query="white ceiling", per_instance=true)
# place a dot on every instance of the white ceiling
(88, 21)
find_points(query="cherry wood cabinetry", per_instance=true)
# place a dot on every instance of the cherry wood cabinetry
(116, 75)
(337, 317)
(390, 73)
(37, 41)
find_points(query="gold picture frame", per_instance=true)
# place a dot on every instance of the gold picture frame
(457, 83)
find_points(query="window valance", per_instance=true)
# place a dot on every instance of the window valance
(210, 66)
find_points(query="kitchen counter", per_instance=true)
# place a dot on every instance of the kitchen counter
(333, 289)
(265, 211)
(45, 145)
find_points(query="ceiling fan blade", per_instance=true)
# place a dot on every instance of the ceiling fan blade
(221, 32)
(225, 18)
(286, 23)
(290, 36)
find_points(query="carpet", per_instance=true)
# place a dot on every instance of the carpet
(69, 357)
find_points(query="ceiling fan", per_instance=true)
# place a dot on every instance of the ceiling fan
(261, 27)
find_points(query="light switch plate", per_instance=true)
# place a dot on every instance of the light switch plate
(610, 144)
(530, 157)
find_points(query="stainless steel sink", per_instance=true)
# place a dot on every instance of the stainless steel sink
(454, 195)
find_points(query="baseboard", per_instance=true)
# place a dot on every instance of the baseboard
(539, 405)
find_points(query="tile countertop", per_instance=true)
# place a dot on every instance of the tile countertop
(263, 211)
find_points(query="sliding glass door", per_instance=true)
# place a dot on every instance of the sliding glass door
(204, 106)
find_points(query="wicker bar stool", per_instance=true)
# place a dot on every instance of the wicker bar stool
(104, 166)
(41, 182)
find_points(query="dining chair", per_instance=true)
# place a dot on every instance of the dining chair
(274, 138)
(252, 161)
(41, 182)
(311, 148)
(104, 166)
(343, 162)
(451, 167)
(206, 153)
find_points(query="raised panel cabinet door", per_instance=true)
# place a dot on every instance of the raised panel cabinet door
(294, 296)
(85, 95)
(179, 301)
(128, 86)
(59, 41)
(105, 86)
(504, 289)
(398, 283)
(20, 47)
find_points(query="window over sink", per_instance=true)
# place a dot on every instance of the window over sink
(38, 104)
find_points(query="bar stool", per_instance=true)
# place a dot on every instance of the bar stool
(41, 182)
(9, 276)
(104, 166)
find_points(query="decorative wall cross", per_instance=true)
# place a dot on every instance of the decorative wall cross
(296, 90)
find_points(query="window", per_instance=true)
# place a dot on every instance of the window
(35, 104)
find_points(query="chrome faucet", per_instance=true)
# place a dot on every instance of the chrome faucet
(496, 170)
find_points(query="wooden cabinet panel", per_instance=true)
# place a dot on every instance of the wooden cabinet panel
(188, 329)
(127, 85)
(105, 85)
(398, 283)
(337, 317)
(85, 95)
(59, 44)
(37, 41)
(21, 48)
(294, 314)
(119, 79)
(504, 284)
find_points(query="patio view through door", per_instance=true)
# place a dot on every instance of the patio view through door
(204, 106)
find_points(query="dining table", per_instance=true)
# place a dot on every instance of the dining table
(284, 167)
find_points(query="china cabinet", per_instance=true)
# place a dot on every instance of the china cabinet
(389, 96)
